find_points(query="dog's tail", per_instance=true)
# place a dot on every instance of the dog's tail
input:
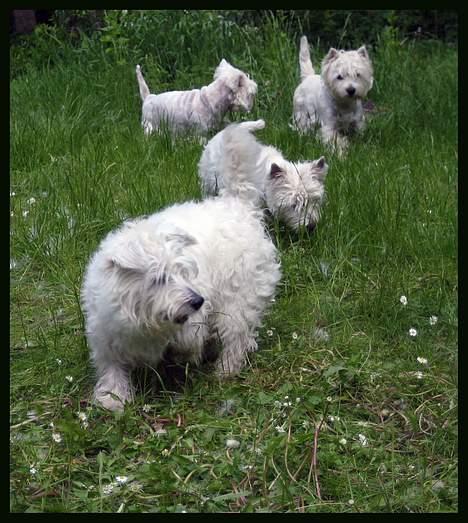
(305, 63)
(252, 125)
(239, 163)
(144, 91)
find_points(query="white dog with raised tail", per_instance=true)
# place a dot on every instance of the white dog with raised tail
(333, 99)
(197, 110)
(235, 162)
(190, 275)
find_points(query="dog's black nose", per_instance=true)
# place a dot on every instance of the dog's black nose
(311, 228)
(350, 90)
(196, 302)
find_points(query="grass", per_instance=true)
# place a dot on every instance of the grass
(336, 360)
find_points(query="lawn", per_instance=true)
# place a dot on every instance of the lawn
(342, 409)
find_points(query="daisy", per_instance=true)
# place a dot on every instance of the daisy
(121, 480)
(56, 437)
(413, 332)
(232, 444)
(403, 300)
(433, 320)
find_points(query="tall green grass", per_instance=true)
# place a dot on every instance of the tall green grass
(336, 358)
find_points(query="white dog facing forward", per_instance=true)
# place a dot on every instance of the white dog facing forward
(197, 110)
(234, 162)
(333, 99)
(191, 274)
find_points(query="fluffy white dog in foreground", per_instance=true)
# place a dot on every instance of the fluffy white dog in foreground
(333, 99)
(235, 162)
(191, 274)
(198, 110)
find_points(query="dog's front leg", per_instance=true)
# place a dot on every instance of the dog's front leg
(332, 137)
(114, 388)
(234, 353)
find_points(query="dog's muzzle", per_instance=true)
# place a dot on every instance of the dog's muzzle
(193, 304)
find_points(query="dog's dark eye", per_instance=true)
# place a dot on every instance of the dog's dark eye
(339, 77)
(358, 75)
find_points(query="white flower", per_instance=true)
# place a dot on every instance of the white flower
(31, 201)
(294, 336)
(32, 470)
(433, 320)
(82, 416)
(329, 399)
(165, 452)
(343, 441)
(25, 213)
(12, 193)
(269, 333)
(107, 489)
(422, 361)
(232, 444)
(413, 332)
(56, 437)
(403, 300)
(280, 429)
(146, 407)
(363, 440)
(351, 502)
(69, 378)
(59, 361)
(121, 480)
(298, 400)
(277, 404)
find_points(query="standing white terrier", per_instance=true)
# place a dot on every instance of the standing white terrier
(333, 99)
(191, 274)
(198, 110)
(234, 162)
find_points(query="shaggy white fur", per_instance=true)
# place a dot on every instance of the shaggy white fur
(234, 162)
(198, 110)
(332, 100)
(190, 274)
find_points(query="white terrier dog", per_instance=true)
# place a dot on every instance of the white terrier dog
(332, 100)
(191, 274)
(198, 110)
(291, 191)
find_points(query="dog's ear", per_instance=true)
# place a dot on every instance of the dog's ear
(362, 51)
(331, 55)
(182, 239)
(319, 168)
(129, 260)
(276, 171)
